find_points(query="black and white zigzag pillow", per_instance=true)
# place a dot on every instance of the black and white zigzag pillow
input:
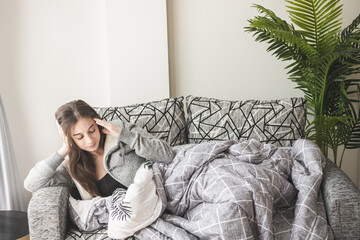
(164, 119)
(280, 122)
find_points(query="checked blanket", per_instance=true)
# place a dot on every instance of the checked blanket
(218, 190)
(246, 190)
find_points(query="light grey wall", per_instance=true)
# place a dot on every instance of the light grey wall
(211, 55)
(138, 52)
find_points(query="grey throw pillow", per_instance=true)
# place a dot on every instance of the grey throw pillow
(164, 119)
(280, 122)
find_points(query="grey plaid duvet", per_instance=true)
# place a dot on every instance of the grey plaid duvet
(247, 190)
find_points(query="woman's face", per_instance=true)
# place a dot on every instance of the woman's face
(85, 134)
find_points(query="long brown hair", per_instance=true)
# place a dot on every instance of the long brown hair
(81, 164)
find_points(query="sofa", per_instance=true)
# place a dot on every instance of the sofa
(278, 122)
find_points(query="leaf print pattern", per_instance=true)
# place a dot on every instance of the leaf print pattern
(120, 210)
(148, 164)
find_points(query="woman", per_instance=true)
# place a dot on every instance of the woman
(100, 156)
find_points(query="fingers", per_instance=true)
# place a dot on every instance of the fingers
(101, 122)
(104, 130)
(108, 128)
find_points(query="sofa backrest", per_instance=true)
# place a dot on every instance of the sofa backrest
(280, 122)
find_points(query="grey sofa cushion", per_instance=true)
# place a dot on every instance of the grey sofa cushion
(342, 202)
(47, 213)
(165, 118)
(280, 122)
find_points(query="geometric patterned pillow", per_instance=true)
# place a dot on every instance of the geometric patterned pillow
(164, 119)
(280, 122)
(76, 234)
(100, 234)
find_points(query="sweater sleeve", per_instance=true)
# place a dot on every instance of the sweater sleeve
(145, 144)
(46, 173)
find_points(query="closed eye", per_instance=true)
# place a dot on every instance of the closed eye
(79, 138)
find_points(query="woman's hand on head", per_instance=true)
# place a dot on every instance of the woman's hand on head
(108, 128)
(65, 149)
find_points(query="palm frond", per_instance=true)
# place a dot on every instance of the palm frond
(350, 29)
(354, 141)
(319, 21)
(270, 27)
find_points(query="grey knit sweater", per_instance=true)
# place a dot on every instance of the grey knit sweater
(122, 158)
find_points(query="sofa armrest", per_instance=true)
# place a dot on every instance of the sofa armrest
(342, 202)
(47, 213)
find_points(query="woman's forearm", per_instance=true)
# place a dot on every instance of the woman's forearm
(145, 144)
(46, 173)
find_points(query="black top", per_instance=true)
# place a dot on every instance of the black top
(107, 185)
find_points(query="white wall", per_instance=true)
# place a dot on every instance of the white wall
(56, 51)
(138, 50)
(211, 54)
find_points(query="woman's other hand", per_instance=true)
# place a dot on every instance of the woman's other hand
(64, 150)
(108, 128)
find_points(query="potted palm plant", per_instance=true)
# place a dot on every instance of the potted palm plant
(323, 61)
